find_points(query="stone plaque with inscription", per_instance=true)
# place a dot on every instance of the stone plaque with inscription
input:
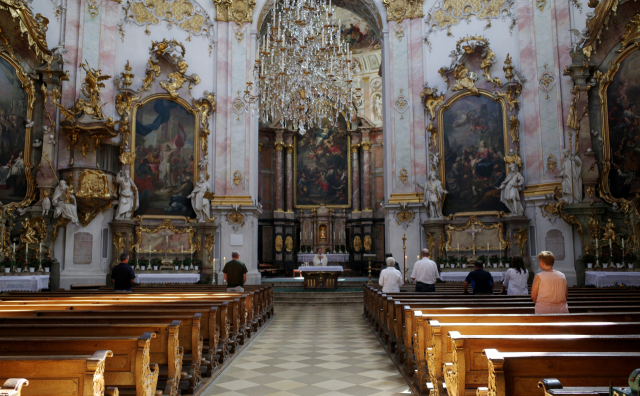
(554, 242)
(82, 248)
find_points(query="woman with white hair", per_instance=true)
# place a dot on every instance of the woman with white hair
(390, 278)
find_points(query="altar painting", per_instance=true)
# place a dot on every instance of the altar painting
(159, 242)
(322, 167)
(472, 147)
(166, 161)
(623, 119)
(13, 116)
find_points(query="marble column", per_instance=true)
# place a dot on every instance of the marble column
(289, 176)
(366, 175)
(279, 177)
(355, 172)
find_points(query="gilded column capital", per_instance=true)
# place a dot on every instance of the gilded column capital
(399, 10)
(366, 146)
(365, 79)
(279, 146)
(354, 148)
(237, 11)
(289, 148)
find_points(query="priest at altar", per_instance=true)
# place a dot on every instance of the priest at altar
(320, 259)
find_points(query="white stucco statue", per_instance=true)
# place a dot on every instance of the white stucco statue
(511, 187)
(65, 203)
(128, 200)
(46, 203)
(201, 205)
(571, 174)
(433, 195)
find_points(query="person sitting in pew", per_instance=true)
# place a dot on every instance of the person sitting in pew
(515, 279)
(122, 275)
(549, 290)
(480, 280)
(390, 278)
(425, 273)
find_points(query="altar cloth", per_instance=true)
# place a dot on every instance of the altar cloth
(331, 257)
(451, 276)
(328, 268)
(167, 278)
(611, 278)
(29, 283)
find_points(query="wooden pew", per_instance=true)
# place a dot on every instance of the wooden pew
(554, 387)
(164, 348)
(465, 369)
(129, 368)
(13, 386)
(59, 375)
(518, 373)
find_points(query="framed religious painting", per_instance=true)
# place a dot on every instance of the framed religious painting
(164, 134)
(17, 183)
(619, 91)
(473, 140)
(322, 167)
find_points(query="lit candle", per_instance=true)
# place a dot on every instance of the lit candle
(610, 248)
(458, 246)
(418, 257)
(596, 244)
(487, 246)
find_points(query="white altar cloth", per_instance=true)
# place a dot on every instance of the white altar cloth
(328, 268)
(451, 276)
(331, 257)
(610, 278)
(167, 278)
(29, 283)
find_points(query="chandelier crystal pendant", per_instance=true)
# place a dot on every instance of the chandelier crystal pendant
(303, 72)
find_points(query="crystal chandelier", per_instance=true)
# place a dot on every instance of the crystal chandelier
(303, 71)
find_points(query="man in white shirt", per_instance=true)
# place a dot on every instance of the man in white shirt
(390, 278)
(425, 273)
(320, 259)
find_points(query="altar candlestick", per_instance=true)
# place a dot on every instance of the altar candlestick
(596, 243)
(26, 251)
(487, 247)
(14, 250)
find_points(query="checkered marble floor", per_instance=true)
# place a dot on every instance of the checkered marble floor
(319, 350)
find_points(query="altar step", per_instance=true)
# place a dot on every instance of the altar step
(300, 297)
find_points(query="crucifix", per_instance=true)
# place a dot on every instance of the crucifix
(473, 230)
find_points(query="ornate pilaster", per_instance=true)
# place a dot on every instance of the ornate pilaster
(279, 146)
(355, 172)
(366, 175)
(289, 174)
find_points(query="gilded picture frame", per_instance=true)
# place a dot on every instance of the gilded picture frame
(295, 178)
(28, 86)
(441, 141)
(605, 81)
(196, 136)
(166, 225)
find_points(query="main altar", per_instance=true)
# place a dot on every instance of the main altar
(320, 277)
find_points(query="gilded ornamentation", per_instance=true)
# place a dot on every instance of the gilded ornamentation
(541, 4)
(35, 230)
(521, 237)
(173, 52)
(84, 147)
(464, 79)
(235, 218)
(280, 146)
(209, 243)
(288, 244)
(118, 245)
(237, 11)
(572, 119)
(404, 218)
(403, 175)
(511, 97)
(431, 242)
(357, 243)
(488, 59)
(631, 33)
(90, 89)
(279, 243)
(514, 125)
(399, 10)
(546, 82)
(443, 15)
(473, 221)
(126, 77)
(595, 25)
(93, 184)
(594, 226)
(433, 135)
(165, 228)
(34, 28)
(552, 163)
(508, 68)
(174, 82)
(590, 190)
(205, 106)
(431, 100)
(609, 232)
(237, 178)
(185, 14)
(93, 8)
(366, 146)
(126, 156)
(368, 243)
(512, 157)
(354, 148)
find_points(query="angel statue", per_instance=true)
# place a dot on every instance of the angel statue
(200, 198)
(64, 203)
(433, 196)
(128, 200)
(511, 187)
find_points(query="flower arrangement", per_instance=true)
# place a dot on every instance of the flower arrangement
(494, 259)
(589, 258)
(453, 260)
(156, 262)
(507, 260)
(483, 258)
(343, 248)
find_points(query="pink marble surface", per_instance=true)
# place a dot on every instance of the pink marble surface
(355, 171)
(223, 110)
(561, 15)
(530, 107)
(279, 169)
(366, 179)
(108, 41)
(289, 176)
(416, 82)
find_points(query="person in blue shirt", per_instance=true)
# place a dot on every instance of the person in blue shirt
(480, 280)
(122, 275)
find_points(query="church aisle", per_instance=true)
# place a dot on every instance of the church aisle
(316, 350)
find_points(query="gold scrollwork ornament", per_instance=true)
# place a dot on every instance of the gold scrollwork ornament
(368, 243)
(279, 243)
(357, 243)
(288, 244)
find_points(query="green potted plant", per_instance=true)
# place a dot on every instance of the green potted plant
(507, 261)
(605, 259)
(464, 260)
(197, 263)
(176, 263)
(156, 263)
(47, 263)
(453, 260)
(441, 262)
(631, 259)
(22, 264)
(589, 259)
(483, 258)
(343, 248)
(33, 263)
(144, 263)
(8, 264)
(493, 259)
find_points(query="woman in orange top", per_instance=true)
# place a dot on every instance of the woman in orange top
(550, 290)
